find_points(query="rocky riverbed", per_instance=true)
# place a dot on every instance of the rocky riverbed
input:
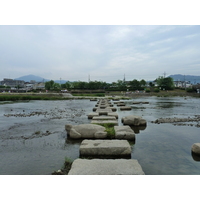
(33, 139)
(179, 121)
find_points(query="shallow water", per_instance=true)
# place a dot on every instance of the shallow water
(38, 144)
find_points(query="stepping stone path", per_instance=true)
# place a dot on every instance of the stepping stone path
(106, 149)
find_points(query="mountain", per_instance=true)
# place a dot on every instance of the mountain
(30, 77)
(191, 78)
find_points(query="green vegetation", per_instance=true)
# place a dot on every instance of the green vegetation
(190, 90)
(109, 129)
(91, 95)
(165, 83)
(66, 167)
(156, 90)
(137, 85)
(18, 97)
(7, 87)
(51, 85)
(147, 90)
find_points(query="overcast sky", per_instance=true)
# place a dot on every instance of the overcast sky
(103, 52)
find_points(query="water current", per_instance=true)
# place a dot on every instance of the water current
(33, 140)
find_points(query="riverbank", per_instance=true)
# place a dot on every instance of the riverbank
(109, 95)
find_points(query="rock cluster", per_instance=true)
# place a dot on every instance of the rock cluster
(176, 119)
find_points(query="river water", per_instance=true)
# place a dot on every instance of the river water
(33, 140)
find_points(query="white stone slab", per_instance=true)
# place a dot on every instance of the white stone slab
(106, 167)
(108, 148)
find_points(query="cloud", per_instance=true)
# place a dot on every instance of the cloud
(104, 52)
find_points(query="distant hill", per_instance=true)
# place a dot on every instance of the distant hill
(191, 78)
(30, 77)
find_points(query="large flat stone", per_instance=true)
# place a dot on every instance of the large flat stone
(107, 148)
(112, 109)
(113, 114)
(86, 131)
(114, 122)
(125, 108)
(104, 118)
(104, 111)
(106, 167)
(92, 114)
(124, 132)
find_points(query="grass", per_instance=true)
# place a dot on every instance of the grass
(90, 95)
(109, 129)
(66, 167)
(15, 97)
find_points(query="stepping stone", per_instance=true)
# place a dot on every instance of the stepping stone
(121, 104)
(196, 148)
(103, 111)
(125, 108)
(105, 148)
(112, 109)
(114, 122)
(93, 114)
(113, 114)
(106, 167)
(104, 118)
(124, 132)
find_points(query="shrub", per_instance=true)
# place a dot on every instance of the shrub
(156, 90)
(190, 90)
(148, 90)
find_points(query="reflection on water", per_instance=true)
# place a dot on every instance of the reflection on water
(195, 156)
(137, 129)
(38, 144)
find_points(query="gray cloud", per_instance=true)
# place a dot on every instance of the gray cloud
(104, 52)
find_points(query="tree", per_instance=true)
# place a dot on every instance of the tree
(165, 83)
(121, 85)
(151, 84)
(135, 84)
(143, 83)
(49, 85)
(56, 86)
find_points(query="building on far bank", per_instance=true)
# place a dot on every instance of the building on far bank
(182, 84)
(39, 86)
(12, 83)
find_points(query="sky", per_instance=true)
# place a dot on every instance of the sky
(99, 52)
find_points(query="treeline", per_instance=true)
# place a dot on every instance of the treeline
(161, 83)
(96, 85)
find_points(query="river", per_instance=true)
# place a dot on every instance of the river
(33, 140)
